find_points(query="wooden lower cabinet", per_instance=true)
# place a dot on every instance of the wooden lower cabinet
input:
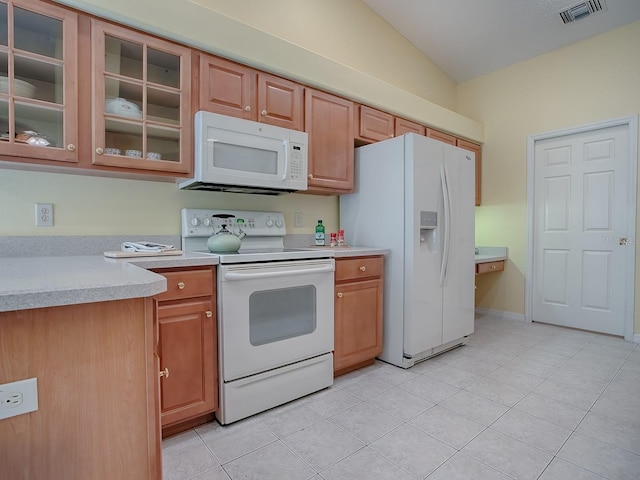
(488, 267)
(187, 348)
(97, 381)
(358, 312)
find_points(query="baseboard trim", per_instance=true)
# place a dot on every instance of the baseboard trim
(518, 317)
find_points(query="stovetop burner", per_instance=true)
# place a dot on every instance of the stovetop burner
(264, 240)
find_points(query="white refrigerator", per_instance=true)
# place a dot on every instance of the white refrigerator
(415, 196)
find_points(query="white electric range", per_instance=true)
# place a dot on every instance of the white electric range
(275, 313)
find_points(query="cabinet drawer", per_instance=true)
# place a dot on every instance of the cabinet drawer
(359, 267)
(490, 267)
(193, 283)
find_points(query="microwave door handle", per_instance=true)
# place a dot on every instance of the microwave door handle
(282, 273)
(286, 160)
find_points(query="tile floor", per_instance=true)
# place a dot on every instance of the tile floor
(524, 401)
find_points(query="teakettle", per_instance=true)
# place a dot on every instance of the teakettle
(225, 241)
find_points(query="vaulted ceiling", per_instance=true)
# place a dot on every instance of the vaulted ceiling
(469, 38)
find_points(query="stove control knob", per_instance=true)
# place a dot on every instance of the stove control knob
(195, 221)
(206, 222)
(269, 222)
(279, 222)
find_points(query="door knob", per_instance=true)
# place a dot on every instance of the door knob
(623, 241)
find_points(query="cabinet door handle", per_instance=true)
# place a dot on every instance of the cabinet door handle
(263, 112)
(310, 175)
(71, 147)
(209, 313)
(247, 108)
(164, 373)
(181, 285)
(363, 268)
(340, 295)
(99, 150)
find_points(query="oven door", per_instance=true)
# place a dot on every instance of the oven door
(273, 314)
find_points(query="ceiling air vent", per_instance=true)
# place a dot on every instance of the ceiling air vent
(582, 10)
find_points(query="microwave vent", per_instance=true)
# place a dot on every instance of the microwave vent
(582, 10)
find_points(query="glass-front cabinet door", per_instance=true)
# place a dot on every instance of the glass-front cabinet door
(38, 81)
(141, 101)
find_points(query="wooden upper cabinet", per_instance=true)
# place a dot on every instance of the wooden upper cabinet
(477, 150)
(141, 101)
(405, 126)
(329, 124)
(38, 96)
(280, 102)
(375, 125)
(229, 88)
(441, 136)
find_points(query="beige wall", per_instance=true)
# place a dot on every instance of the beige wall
(591, 81)
(350, 33)
(107, 206)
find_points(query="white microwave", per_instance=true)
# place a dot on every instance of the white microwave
(237, 155)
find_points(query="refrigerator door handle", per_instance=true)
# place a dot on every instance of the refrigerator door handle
(447, 220)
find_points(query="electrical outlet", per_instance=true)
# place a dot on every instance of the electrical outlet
(297, 220)
(18, 397)
(44, 214)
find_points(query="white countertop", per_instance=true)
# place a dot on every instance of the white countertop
(38, 282)
(35, 282)
(354, 251)
(490, 254)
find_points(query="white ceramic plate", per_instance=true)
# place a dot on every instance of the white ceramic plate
(120, 106)
(21, 88)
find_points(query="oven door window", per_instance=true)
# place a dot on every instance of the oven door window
(282, 313)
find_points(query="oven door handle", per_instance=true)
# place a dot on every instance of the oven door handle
(281, 273)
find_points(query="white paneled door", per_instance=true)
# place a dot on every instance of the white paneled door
(583, 243)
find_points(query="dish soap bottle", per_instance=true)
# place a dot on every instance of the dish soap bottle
(319, 234)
